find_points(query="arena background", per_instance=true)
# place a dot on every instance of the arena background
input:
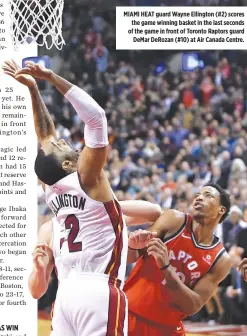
(170, 132)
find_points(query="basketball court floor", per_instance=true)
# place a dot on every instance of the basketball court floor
(193, 329)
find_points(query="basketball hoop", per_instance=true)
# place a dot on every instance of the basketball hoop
(37, 21)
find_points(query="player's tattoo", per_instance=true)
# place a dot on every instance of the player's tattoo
(44, 125)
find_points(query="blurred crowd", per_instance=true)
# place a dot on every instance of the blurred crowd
(170, 131)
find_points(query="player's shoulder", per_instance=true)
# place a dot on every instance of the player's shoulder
(222, 266)
(171, 221)
(225, 260)
(174, 216)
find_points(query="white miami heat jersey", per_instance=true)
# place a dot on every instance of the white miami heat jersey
(93, 234)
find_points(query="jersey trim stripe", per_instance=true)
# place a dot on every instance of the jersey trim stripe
(52, 310)
(222, 251)
(202, 246)
(116, 311)
(114, 212)
(119, 241)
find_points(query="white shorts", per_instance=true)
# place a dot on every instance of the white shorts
(89, 304)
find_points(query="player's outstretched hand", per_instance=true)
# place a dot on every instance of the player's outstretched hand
(35, 70)
(11, 68)
(139, 239)
(159, 251)
(242, 267)
(40, 256)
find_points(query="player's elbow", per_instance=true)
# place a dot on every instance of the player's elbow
(157, 211)
(192, 308)
(192, 311)
(98, 120)
(154, 212)
(36, 293)
(189, 305)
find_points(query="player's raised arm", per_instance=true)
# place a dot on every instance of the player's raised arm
(93, 157)
(140, 212)
(43, 262)
(43, 122)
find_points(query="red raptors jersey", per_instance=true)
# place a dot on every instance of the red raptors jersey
(146, 287)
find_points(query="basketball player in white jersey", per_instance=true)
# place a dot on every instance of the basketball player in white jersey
(46, 254)
(48, 243)
(93, 240)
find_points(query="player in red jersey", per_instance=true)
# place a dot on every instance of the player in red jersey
(180, 269)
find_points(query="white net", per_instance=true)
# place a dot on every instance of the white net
(37, 20)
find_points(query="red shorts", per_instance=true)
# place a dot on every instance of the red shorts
(138, 326)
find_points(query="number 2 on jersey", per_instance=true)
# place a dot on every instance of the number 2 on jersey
(72, 223)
